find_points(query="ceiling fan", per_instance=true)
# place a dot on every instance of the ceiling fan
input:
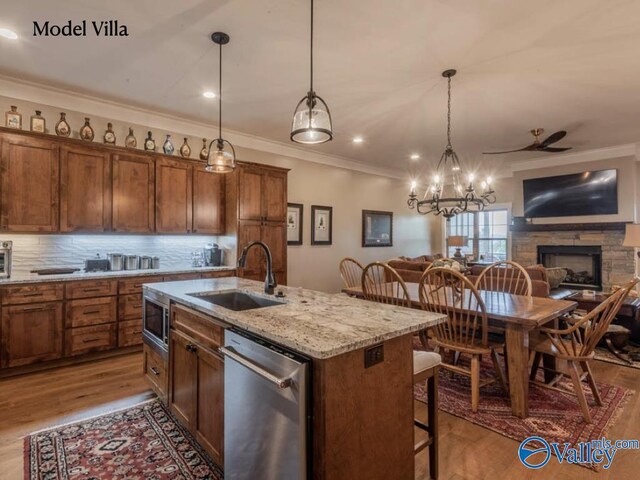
(537, 145)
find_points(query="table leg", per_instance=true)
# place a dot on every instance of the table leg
(517, 341)
(549, 363)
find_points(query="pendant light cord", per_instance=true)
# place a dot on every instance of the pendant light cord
(311, 49)
(449, 113)
(220, 96)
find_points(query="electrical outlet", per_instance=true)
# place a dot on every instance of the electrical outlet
(373, 355)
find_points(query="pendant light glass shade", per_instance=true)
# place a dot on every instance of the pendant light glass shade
(311, 121)
(222, 157)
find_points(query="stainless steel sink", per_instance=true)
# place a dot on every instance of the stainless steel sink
(236, 300)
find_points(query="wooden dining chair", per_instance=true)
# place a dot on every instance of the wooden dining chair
(381, 283)
(575, 345)
(351, 272)
(505, 276)
(465, 331)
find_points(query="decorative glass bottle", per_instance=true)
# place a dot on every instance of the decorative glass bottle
(150, 143)
(13, 119)
(167, 147)
(63, 129)
(131, 141)
(86, 132)
(109, 135)
(185, 149)
(38, 123)
(204, 153)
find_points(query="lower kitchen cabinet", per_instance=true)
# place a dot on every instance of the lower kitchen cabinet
(196, 383)
(155, 369)
(90, 339)
(31, 333)
(129, 333)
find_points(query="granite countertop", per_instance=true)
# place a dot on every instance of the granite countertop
(316, 324)
(81, 275)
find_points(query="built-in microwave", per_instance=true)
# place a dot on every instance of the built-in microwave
(5, 258)
(155, 321)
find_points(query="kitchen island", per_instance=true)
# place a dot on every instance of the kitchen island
(360, 361)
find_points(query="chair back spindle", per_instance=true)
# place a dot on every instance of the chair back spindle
(351, 272)
(381, 283)
(505, 276)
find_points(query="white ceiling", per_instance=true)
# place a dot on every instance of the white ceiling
(570, 64)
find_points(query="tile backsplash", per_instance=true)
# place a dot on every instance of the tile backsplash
(47, 251)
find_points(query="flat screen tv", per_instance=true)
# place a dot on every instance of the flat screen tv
(586, 193)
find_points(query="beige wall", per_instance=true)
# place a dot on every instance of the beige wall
(347, 191)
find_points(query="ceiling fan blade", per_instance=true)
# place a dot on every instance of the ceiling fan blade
(554, 149)
(553, 138)
(527, 148)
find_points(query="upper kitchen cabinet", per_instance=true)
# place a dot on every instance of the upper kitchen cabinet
(208, 201)
(133, 180)
(262, 193)
(85, 189)
(29, 177)
(174, 195)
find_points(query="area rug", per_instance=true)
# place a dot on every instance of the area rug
(604, 355)
(553, 415)
(140, 442)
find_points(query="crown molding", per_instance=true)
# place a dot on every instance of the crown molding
(606, 153)
(91, 105)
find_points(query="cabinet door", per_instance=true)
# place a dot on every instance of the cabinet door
(183, 364)
(275, 196)
(250, 193)
(85, 190)
(275, 236)
(29, 183)
(173, 196)
(249, 231)
(31, 333)
(208, 201)
(209, 430)
(133, 194)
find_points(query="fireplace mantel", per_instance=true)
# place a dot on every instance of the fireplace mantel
(568, 227)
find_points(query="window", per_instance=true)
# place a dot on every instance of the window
(487, 234)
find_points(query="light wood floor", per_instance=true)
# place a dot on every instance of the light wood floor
(41, 400)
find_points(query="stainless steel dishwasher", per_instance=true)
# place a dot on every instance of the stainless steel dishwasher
(267, 421)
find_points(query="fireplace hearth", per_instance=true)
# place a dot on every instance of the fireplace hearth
(582, 262)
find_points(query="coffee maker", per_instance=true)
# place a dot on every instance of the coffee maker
(212, 255)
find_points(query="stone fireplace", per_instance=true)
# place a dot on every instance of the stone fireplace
(617, 263)
(582, 262)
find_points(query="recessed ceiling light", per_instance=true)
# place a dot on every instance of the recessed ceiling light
(209, 94)
(358, 139)
(10, 34)
(414, 156)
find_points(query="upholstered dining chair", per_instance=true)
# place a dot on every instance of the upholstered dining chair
(575, 345)
(381, 283)
(465, 331)
(351, 272)
(505, 276)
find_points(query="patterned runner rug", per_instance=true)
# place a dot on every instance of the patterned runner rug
(140, 442)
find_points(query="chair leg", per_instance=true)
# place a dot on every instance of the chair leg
(537, 357)
(500, 374)
(592, 383)
(575, 378)
(432, 409)
(475, 382)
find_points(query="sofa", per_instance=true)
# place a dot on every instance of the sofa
(539, 282)
(411, 269)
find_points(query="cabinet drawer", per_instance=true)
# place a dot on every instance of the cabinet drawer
(181, 276)
(90, 339)
(90, 311)
(130, 306)
(32, 293)
(97, 288)
(134, 285)
(220, 274)
(130, 333)
(201, 328)
(155, 369)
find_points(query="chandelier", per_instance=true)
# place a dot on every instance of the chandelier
(451, 192)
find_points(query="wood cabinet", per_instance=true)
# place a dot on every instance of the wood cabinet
(262, 193)
(85, 189)
(133, 180)
(155, 370)
(208, 201)
(196, 378)
(29, 177)
(31, 333)
(173, 196)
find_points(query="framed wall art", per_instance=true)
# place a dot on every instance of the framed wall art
(321, 225)
(294, 223)
(377, 228)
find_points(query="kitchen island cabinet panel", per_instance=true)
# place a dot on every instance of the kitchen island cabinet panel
(183, 378)
(209, 427)
(85, 189)
(29, 177)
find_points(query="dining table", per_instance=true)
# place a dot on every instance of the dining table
(518, 315)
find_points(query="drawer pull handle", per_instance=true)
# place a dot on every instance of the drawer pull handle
(137, 285)
(138, 305)
(91, 340)
(90, 312)
(91, 289)
(35, 294)
(191, 348)
(34, 309)
(136, 332)
(155, 371)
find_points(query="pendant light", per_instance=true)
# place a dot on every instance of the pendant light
(311, 119)
(222, 158)
(450, 193)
